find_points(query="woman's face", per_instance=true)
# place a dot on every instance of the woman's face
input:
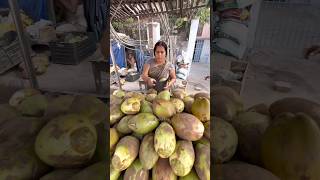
(160, 53)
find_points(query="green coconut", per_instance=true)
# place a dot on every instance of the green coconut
(20, 95)
(91, 107)
(35, 105)
(131, 106)
(67, 141)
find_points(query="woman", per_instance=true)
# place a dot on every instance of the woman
(158, 70)
(131, 61)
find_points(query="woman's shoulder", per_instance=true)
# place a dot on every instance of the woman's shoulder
(150, 61)
(170, 64)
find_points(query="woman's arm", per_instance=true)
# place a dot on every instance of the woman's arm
(150, 81)
(172, 74)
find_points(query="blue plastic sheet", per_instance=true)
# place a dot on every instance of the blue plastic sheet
(36, 9)
(119, 54)
(140, 60)
(95, 12)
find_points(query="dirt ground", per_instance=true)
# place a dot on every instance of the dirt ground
(266, 67)
(197, 76)
(58, 78)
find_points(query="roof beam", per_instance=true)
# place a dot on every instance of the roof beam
(155, 5)
(155, 13)
(160, 5)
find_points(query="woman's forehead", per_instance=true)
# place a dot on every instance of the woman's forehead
(160, 48)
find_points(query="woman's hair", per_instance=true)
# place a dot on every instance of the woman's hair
(160, 43)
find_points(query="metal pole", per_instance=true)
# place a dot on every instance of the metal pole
(115, 66)
(25, 48)
(139, 41)
(140, 33)
(171, 49)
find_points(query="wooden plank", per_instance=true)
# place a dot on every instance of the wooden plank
(153, 2)
(181, 7)
(170, 2)
(116, 2)
(177, 4)
(147, 10)
(117, 10)
(125, 10)
(117, 13)
(150, 6)
(133, 9)
(139, 7)
(192, 3)
(147, 7)
(160, 4)
(166, 5)
(170, 11)
(142, 9)
(197, 2)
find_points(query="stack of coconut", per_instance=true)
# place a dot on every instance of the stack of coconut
(281, 141)
(50, 138)
(159, 136)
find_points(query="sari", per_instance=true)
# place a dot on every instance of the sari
(160, 73)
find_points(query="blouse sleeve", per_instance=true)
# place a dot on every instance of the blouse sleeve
(172, 67)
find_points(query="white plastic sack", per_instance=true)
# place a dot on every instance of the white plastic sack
(236, 30)
(181, 76)
(232, 47)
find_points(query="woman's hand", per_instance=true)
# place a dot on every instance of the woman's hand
(168, 86)
(151, 82)
(172, 81)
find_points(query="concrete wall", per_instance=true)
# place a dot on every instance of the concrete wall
(205, 53)
(206, 31)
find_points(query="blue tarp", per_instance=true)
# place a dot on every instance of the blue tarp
(36, 9)
(95, 12)
(119, 54)
(140, 58)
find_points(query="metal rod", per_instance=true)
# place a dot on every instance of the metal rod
(115, 66)
(14, 7)
(118, 7)
(140, 34)
(181, 7)
(139, 39)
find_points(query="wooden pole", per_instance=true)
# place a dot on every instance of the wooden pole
(24, 45)
(115, 66)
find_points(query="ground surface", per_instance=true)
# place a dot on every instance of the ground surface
(196, 78)
(266, 67)
(58, 78)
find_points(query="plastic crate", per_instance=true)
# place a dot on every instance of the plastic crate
(72, 53)
(10, 56)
